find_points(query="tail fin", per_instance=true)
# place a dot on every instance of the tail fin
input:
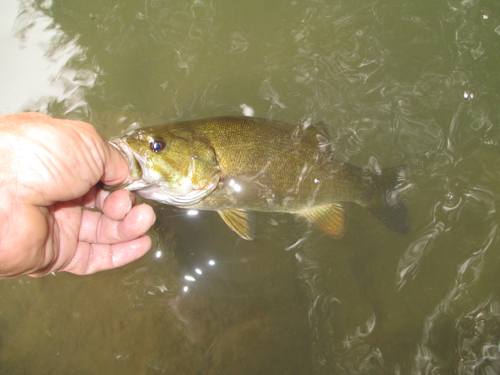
(385, 203)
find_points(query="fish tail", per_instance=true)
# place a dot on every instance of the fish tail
(385, 203)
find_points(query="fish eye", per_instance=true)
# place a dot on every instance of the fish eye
(156, 145)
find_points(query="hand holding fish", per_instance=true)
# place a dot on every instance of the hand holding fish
(53, 215)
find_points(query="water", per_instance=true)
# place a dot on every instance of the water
(413, 82)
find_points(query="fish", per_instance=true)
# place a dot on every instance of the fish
(241, 165)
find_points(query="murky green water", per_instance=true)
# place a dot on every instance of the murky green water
(395, 81)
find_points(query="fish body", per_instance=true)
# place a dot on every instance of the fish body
(238, 165)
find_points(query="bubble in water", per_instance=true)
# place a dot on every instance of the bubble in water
(489, 141)
(122, 356)
(468, 95)
(247, 110)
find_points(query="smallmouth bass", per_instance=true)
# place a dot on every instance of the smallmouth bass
(238, 165)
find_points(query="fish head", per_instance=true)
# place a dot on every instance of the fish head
(167, 167)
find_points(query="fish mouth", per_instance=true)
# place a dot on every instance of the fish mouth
(134, 179)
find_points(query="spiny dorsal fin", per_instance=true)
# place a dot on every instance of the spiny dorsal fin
(241, 221)
(330, 218)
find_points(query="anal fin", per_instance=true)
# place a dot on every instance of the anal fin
(242, 222)
(330, 218)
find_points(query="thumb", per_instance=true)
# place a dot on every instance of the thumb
(115, 166)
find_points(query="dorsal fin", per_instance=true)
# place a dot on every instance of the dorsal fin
(330, 218)
(241, 221)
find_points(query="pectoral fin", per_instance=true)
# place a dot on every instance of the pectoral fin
(330, 218)
(241, 221)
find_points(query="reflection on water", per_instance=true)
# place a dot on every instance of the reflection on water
(37, 63)
(414, 82)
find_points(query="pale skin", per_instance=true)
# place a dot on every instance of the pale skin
(48, 181)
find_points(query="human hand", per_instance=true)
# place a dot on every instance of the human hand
(50, 173)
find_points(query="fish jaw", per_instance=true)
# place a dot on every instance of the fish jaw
(158, 194)
(149, 184)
